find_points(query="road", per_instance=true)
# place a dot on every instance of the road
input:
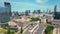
(40, 29)
(26, 31)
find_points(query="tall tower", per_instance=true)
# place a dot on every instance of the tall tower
(27, 12)
(55, 12)
(8, 8)
(55, 9)
(38, 11)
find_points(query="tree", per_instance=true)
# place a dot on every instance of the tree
(48, 22)
(34, 19)
(31, 24)
(4, 27)
(49, 30)
(10, 31)
(21, 30)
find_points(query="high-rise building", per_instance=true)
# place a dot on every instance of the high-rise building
(56, 14)
(8, 7)
(27, 12)
(5, 12)
(34, 12)
(15, 14)
(38, 11)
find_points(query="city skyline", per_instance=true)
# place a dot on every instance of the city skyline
(22, 5)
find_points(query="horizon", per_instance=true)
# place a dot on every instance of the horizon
(22, 5)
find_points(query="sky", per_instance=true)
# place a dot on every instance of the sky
(22, 5)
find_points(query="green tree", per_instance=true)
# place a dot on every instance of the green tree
(49, 30)
(10, 31)
(4, 27)
(48, 22)
(34, 19)
(21, 31)
(31, 24)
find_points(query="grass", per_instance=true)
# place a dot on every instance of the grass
(49, 30)
(34, 19)
(3, 30)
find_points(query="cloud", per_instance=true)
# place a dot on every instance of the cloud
(41, 1)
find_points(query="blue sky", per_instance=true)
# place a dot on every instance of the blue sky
(22, 5)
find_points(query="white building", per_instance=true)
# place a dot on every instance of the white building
(43, 20)
(49, 17)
